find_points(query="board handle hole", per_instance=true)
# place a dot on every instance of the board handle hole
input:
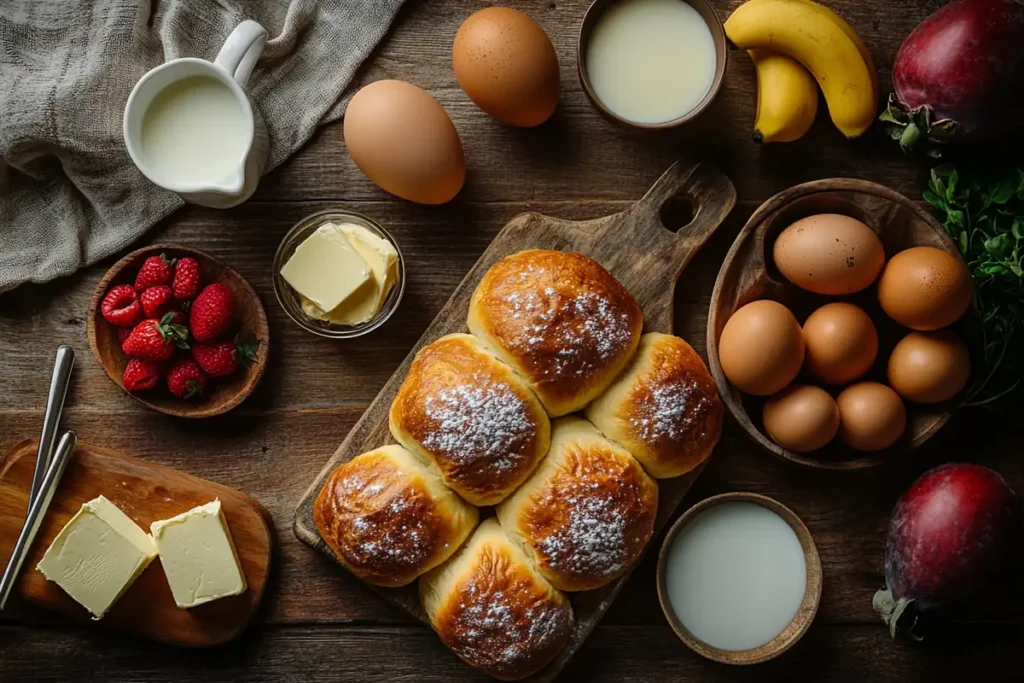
(677, 212)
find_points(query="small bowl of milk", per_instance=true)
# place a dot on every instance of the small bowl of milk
(651, 63)
(739, 578)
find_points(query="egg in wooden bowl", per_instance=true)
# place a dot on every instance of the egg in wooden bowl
(224, 314)
(854, 265)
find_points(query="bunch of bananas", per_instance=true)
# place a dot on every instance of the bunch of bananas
(793, 44)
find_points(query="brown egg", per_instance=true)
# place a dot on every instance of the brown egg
(761, 348)
(925, 288)
(871, 416)
(403, 140)
(842, 343)
(829, 254)
(802, 418)
(507, 65)
(929, 367)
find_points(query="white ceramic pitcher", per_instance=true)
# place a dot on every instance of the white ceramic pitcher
(232, 67)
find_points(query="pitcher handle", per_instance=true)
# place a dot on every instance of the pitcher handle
(241, 50)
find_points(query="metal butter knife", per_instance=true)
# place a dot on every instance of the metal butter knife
(36, 512)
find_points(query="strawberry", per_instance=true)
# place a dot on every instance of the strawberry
(186, 379)
(218, 359)
(178, 317)
(123, 333)
(140, 375)
(156, 301)
(121, 306)
(156, 270)
(187, 279)
(212, 312)
(154, 339)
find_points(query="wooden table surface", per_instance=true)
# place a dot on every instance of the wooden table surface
(317, 622)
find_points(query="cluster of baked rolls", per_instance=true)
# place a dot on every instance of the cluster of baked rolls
(483, 419)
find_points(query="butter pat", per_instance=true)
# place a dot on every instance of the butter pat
(325, 268)
(198, 556)
(98, 555)
(365, 302)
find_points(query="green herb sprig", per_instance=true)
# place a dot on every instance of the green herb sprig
(984, 214)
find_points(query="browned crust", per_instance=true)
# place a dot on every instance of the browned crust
(562, 318)
(502, 619)
(381, 522)
(477, 421)
(592, 518)
(673, 408)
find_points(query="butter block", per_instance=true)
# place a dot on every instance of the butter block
(364, 303)
(98, 555)
(198, 556)
(325, 268)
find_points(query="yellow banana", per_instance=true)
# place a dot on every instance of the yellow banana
(826, 45)
(787, 97)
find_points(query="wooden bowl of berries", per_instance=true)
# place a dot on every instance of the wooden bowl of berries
(179, 331)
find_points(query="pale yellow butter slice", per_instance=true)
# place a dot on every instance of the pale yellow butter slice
(198, 556)
(364, 303)
(98, 555)
(325, 268)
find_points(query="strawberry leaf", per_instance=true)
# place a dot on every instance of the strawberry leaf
(193, 389)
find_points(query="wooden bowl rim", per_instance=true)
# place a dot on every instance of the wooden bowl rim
(187, 410)
(805, 613)
(707, 12)
(730, 396)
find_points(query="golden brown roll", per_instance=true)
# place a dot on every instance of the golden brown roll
(389, 519)
(664, 409)
(560, 320)
(491, 607)
(587, 512)
(469, 413)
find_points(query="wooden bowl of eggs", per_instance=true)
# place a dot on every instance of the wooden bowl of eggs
(841, 325)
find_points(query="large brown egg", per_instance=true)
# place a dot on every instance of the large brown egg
(829, 254)
(802, 418)
(761, 348)
(842, 343)
(507, 65)
(925, 288)
(929, 367)
(403, 140)
(871, 416)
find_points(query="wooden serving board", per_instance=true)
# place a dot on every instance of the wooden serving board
(146, 492)
(638, 250)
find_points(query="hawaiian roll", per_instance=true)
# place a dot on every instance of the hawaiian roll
(560, 320)
(587, 512)
(471, 415)
(389, 518)
(492, 608)
(664, 409)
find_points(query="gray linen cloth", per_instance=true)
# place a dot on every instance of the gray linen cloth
(69, 193)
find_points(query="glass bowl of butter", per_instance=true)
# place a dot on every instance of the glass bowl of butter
(338, 274)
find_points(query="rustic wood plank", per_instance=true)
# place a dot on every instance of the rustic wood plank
(576, 167)
(304, 370)
(273, 456)
(412, 654)
(568, 158)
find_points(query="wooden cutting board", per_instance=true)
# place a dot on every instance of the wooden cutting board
(638, 250)
(146, 492)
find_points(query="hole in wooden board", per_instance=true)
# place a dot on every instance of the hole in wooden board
(677, 213)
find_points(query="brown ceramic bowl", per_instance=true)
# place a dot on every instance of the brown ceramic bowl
(706, 11)
(222, 393)
(748, 273)
(804, 615)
